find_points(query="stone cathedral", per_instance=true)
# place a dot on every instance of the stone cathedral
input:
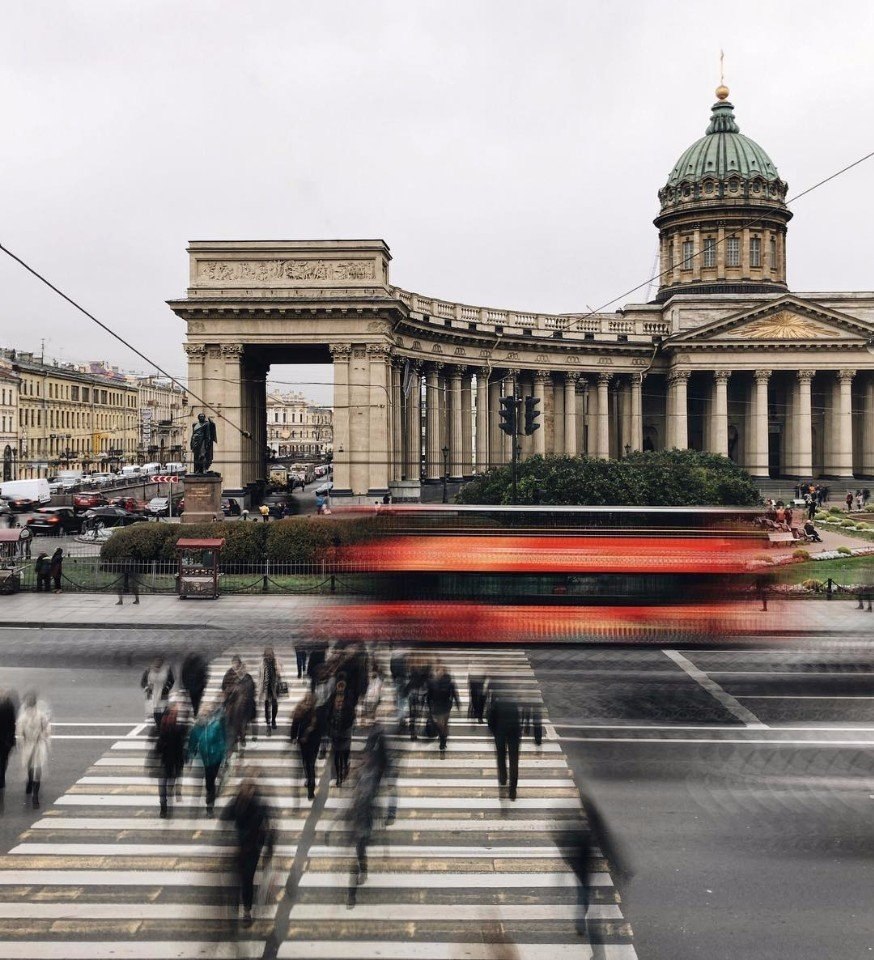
(724, 359)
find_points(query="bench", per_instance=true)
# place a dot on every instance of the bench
(777, 537)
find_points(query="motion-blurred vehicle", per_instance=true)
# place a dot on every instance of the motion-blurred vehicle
(110, 516)
(325, 487)
(161, 506)
(27, 493)
(54, 521)
(87, 501)
(177, 469)
(131, 504)
(231, 508)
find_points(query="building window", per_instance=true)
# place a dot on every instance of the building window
(755, 252)
(671, 255)
(709, 252)
(688, 252)
(74, 393)
(773, 254)
(732, 252)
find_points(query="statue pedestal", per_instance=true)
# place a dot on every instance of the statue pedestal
(203, 498)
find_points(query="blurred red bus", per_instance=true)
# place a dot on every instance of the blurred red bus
(541, 574)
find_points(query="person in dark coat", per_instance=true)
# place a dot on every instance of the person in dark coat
(194, 676)
(505, 724)
(8, 714)
(360, 818)
(306, 733)
(442, 694)
(416, 689)
(317, 657)
(240, 709)
(170, 754)
(251, 818)
(41, 567)
(300, 655)
(56, 569)
(340, 723)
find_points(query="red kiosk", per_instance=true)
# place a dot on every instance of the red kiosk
(198, 567)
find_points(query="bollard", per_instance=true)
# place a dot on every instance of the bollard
(828, 589)
(333, 584)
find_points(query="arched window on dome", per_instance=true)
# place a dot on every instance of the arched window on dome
(688, 254)
(755, 252)
(709, 259)
(732, 252)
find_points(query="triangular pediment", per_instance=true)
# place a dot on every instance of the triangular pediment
(784, 321)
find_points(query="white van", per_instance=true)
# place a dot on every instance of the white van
(150, 469)
(175, 468)
(34, 490)
(131, 470)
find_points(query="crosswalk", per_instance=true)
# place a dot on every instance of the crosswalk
(462, 872)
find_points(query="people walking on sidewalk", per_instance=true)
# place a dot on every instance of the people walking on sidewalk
(398, 670)
(128, 582)
(238, 688)
(170, 756)
(208, 743)
(270, 679)
(157, 682)
(416, 689)
(441, 694)
(41, 568)
(300, 656)
(56, 569)
(505, 724)
(194, 675)
(306, 733)
(8, 711)
(251, 819)
(373, 694)
(360, 818)
(33, 733)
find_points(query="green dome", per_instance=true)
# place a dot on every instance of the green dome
(722, 151)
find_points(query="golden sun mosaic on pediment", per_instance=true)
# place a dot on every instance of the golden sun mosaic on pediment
(783, 326)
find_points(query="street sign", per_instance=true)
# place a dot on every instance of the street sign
(160, 478)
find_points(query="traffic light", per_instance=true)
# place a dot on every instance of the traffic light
(532, 415)
(508, 415)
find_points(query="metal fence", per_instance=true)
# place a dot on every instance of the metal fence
(91, 575)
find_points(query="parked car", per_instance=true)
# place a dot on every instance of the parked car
(87, 501)
(175, 468)
(231, 508)
(29, 492)
(160, 506)
(5, 509)
(131, 504)
(325, 487)
(111, 517)
(55, 520)
(22, 504)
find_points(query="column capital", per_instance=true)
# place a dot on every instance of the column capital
(542, 376)
(232, 351)
(572, 376)
(844, 375)
(435, 366)
(340, 351)
(805, 376)
(513, 372)
(678, 376)
(722, 376)
(637, 378)
(378, 351)
(457, 371)
(195, 350)
(604, 378)
(762, 376)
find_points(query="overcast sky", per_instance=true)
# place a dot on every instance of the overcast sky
(509, 153)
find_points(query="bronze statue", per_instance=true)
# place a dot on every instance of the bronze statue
(203, 438)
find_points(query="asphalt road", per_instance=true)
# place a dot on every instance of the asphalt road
(737, 784)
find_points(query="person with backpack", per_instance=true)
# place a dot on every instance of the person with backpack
(56, 569)
(306, 733)
(441, 693)
(270, 682)
(208, 743)
(41, 568)
(170, 756)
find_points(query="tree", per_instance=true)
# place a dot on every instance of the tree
(664, 478)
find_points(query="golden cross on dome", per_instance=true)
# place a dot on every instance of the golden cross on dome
(722, 89)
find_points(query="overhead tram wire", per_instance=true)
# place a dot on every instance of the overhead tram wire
(747, 223)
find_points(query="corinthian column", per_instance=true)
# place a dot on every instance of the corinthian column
(868, 427)
(719, 413)
(456, 469)
(844, 439)
(379, 447)
(397, 420)
(541, 378)
(570, 413)
(414, 423)
(602, 448)
(679, 409)
(758, 464)
(637, 411)
(341, 354)
(433, 457)
(466, 423)
(482, 420)
(804, 428)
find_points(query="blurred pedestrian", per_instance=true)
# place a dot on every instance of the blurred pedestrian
(360, 818)
(270, 681)
(379, 747)
(251, 819)
(194, 676)
(340, 722)
(318, 654)
(208, 743)
(323, 693)
(306, 733)
(373, 694)
(41, 567)
(170, 755)
(476, 693)
(8, 711)
(442, 694)
(239, 690)
(398, 669)
(128, 582)
(264, 510)
(56, 569)
(300, 655)
(157, 682)
(505, 724)
(33, 733)
(416, 688)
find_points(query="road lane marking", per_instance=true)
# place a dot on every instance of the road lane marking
(431, 950)
(750, 743)
(418, 880)
(70, 949)
(734, 707)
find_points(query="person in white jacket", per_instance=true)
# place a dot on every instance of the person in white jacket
(33, 731)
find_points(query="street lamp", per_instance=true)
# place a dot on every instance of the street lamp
(445, 452)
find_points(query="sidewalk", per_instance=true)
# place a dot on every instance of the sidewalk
(839, 618)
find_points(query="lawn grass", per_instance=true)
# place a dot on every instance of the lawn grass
(844, 570)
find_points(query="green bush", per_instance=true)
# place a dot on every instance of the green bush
(822, 517)
(244, 542)
(848, 523)
(662, 478)
(845, 550)
(836, 510)
(801, 554)
(308, 539)
(861, 525)
(811, 584)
